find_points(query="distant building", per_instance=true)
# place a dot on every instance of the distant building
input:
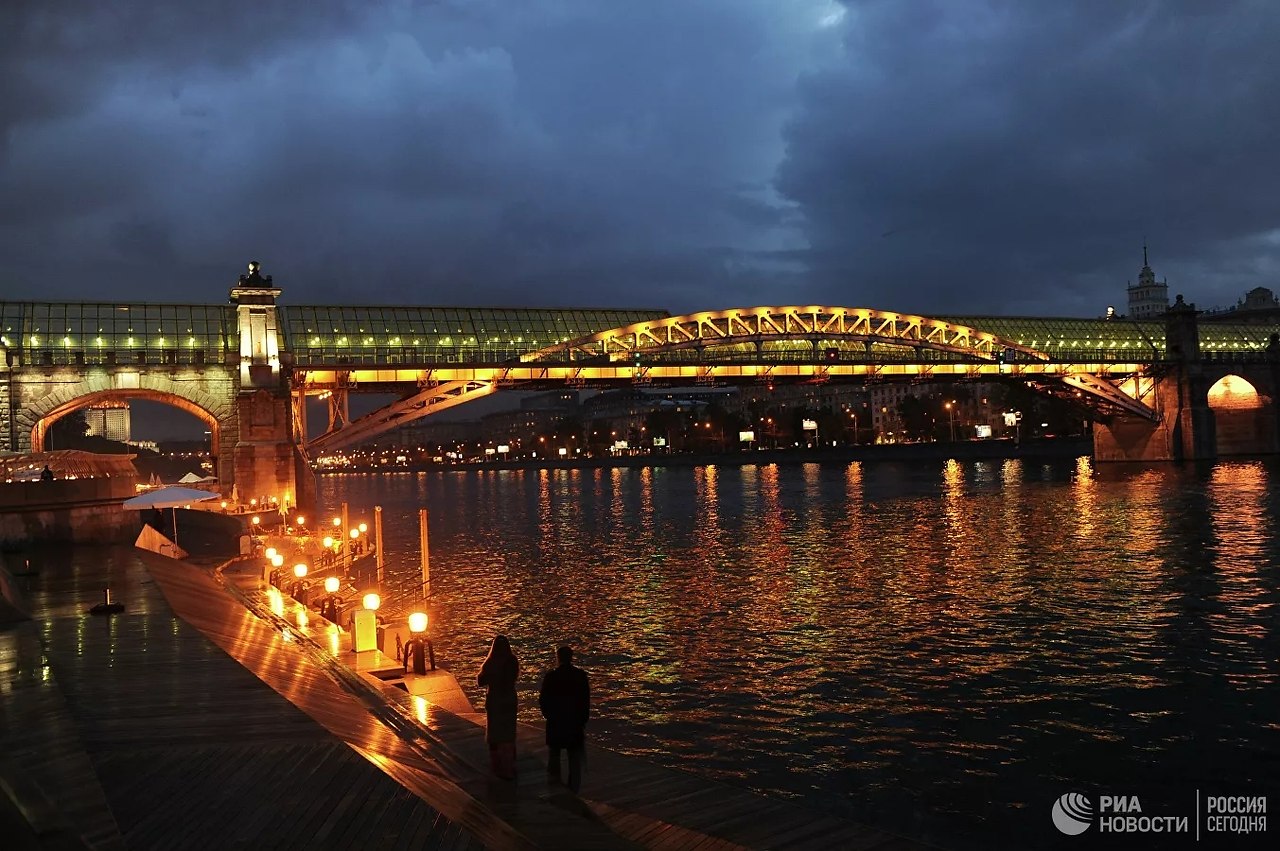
(1259, 305)
(109, 420)
(1148, 298)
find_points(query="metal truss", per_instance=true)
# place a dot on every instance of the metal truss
(1102, 389)
(429, 400)
(759, 325)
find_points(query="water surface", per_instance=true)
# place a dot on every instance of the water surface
(938, 648)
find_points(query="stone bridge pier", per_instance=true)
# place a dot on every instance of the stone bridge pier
(1208, 406)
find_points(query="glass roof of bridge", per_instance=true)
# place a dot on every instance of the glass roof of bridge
(338, 334)
(87, 326)
(75, 331)
(1054, 335)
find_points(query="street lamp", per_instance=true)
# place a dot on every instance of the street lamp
(418, 649)
(299, 586)
(329, 605)
(951, 415)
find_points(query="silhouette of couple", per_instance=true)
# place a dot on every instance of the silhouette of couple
(565, 701)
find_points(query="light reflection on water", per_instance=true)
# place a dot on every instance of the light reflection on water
(940, 649)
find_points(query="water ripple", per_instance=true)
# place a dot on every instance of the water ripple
(941, 649)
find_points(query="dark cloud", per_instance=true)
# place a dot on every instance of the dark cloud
(931, 156)
(1011, 157)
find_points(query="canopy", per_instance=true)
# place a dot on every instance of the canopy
(192, 478)
(169, 498)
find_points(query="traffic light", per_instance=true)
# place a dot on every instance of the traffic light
(635, 358)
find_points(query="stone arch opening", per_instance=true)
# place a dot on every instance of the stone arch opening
(40, 430)
(1243, 418)
(1233, 392)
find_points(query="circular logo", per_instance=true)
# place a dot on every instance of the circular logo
(1072, 813)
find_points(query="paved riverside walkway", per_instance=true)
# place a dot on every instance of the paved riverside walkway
(154, 729)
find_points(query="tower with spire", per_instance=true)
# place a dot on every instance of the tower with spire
(1148, 298)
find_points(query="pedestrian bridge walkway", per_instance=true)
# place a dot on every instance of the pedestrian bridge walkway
(200, 718)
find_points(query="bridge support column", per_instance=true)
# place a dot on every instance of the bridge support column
(268, 460)
(1186, 430)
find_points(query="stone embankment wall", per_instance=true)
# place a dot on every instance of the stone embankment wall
(82, 511)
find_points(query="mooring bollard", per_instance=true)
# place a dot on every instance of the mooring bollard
(106, 607)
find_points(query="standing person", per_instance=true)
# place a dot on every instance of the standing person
(565, 700)
(498, 674)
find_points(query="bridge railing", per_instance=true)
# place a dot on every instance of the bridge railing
(125, 357)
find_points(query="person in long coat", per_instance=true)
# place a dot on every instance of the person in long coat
(565, 701)
(498, 674)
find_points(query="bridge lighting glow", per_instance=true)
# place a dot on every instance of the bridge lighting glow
(99, 341)
(130, 341)
(35, 341)
(66, 341)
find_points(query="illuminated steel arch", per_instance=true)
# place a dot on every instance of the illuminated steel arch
(752, 325)
(744, 344)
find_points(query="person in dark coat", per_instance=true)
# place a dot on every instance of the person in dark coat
(498, 674)
(565, 701)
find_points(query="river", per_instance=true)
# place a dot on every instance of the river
(937, 648)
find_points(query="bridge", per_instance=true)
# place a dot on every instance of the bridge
(246, 368)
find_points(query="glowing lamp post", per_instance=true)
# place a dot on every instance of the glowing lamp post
(365, 625)
(363, 527)
(299, 585)
(329, 606)
(270, 553)
(254, 524)
(418, 650)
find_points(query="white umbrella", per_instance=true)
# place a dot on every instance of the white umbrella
(171, 497)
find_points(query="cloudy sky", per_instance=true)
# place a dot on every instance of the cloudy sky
(681, 154)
